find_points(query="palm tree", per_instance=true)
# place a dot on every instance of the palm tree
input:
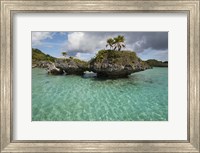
(119, 42)
(110, 43)
(64, 54)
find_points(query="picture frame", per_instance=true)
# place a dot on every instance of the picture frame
(9, 8)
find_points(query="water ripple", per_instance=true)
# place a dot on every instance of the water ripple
(141, 97)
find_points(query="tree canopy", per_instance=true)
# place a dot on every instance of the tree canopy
(116, 43)
(64, 54)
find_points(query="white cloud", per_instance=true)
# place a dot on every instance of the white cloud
(63, 33)
(37, 37)
(84, 56)
(138, 44)
(154, 54)
(137, 41)
(85, 42)
(75, 41)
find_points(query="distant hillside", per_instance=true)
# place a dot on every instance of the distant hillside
(38, 55)
(155, 63)
(58, 65)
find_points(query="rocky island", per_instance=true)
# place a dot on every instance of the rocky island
(110, 63)
(107, 63)
(58, 66)
(116, 64)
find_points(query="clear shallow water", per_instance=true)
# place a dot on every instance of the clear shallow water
(141, 97)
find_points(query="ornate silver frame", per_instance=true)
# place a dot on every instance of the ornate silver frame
(10, 7)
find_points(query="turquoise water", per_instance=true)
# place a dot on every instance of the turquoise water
(141, 97)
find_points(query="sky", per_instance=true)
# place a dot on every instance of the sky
(85, 45)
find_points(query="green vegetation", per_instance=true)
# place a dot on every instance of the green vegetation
(113, 64)
(64, 54)
(155, 63)
(77, 61)
(38, 55)
(110, 42)
(116, 43)
(115, 57)
(144, 64)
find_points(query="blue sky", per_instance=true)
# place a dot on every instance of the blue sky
(85, 45)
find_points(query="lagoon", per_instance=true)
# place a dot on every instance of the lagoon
(143, 96)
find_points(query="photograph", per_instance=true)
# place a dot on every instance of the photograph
(99, 75)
